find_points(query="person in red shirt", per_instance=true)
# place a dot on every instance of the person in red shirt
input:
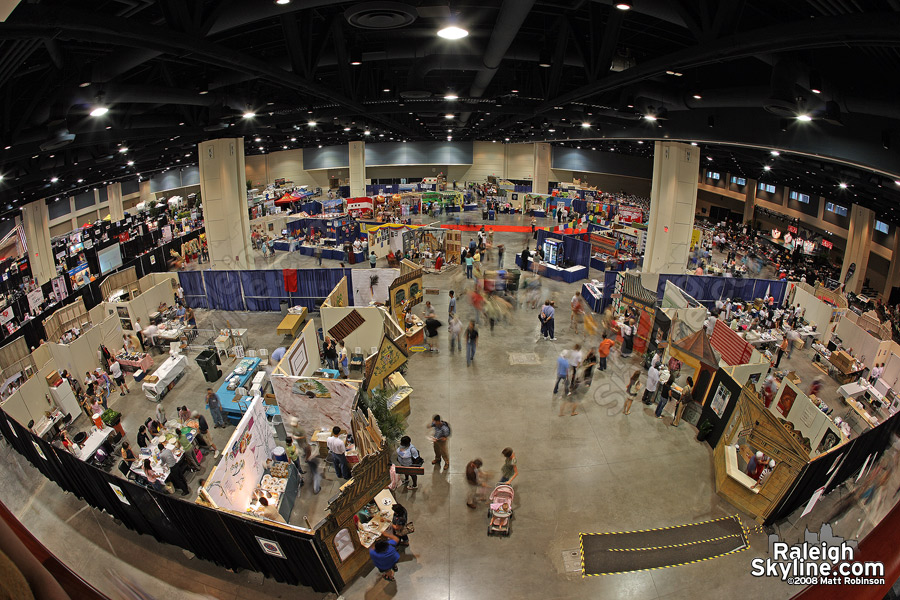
(603, 349)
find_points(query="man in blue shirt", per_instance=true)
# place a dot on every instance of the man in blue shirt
(547, 324)
(562, 372)
(385, 557)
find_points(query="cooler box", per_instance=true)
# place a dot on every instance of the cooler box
(139, 375)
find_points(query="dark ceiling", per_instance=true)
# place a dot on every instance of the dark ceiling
(732, 75)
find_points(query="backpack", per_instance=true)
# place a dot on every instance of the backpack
(449, 431)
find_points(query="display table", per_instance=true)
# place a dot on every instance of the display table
(569, 275)
(291, 324)
(45, 425)
(231, 403)
(173, 331)
(864, 414)
(470, 207)
(167, 374)
(93, 443)
(592, 295)
(159, 468)
(144, 363)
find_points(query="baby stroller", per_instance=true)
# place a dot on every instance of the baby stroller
(500, 509)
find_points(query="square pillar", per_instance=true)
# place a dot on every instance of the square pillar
(357, 169)
(673, 200)
(223, 192)
(114, 199)
(36, 222)
(859, 244)
(540, 184)
(750, 201)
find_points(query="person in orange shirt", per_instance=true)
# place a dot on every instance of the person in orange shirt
(606, 345)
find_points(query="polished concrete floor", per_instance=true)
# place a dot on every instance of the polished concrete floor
(597, 471)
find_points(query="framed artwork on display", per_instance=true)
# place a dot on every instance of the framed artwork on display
(786, 401)
(720, 400)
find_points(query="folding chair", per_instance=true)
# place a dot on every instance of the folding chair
(251, 353)
(263, 356)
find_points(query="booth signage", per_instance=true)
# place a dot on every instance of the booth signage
(35, 299)
(6, 315)
(827, 244)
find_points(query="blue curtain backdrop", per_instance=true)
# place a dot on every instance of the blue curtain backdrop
(224, 290)
(261, 290)
(577, 251)
(580, 206)
(194, 290)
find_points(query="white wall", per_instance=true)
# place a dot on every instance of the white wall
(519, 161)
(366, 336)
(866, 347)
(263, 169)
(817, 312)
(359, 283)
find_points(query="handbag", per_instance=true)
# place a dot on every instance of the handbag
(407, 529)
(418, 461)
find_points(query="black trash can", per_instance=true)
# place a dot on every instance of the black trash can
(209, 362)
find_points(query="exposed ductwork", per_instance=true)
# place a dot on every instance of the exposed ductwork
(509, 21)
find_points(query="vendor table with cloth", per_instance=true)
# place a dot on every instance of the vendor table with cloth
(231, 404)
(145, 363)
(569, 275)
(93, 443)
(592, 299)
(168, 372)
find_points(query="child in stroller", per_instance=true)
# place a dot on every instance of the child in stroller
(500, 510)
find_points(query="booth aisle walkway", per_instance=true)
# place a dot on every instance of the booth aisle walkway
(598, 471)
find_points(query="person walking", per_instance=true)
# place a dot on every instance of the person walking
(603, 351)
(311, 457)
(474, 479)
(577, 310)
(629, 391)
(372, 259)
(116, 371)
(562, 372)
(665, 386)
(627, 330)
(215, 408)
(471, 342)
(500, 250)
(343, 359)
(509, 470)
(451, 309)
(205, 440)
(338, 451)
(318, 253)
(470, 263)
(408, 456)
(329, 351)
(440, 441)
(454, 329)
(782, 348)
(651, 385)
(687, 396)
(546, 317)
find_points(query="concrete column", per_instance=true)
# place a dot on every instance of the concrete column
(36, 222)
(749, 200)
(146, 194)
(224, 197)
(859, 244)
(673, 200)
(357, 169)
(114, 197)
(893, 275)
(541, 181)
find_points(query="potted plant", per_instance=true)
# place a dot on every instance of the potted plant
(113, 419)
(704, 429)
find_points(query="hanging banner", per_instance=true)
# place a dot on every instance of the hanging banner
(35, 299)
(6, 315)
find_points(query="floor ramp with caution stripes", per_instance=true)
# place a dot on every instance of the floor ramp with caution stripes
(629, 551)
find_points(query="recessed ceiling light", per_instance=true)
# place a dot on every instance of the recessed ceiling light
(842, 185)
(346, 129)
(693, 143)
(84, 84)
(514, 91)
(79, 181)
(257, 139)
(650, 117)
(54, 179)
(367, 132)
(697, 96)
(452, 32)
(623, 5)
(804, 117)
(897, 181)
(507, 139)
(282, 2)
(640, 142)
(585, 124)
(450, 96)
(775, 153)
(767, 168)
(99, 111)
(123, 149)
(249, 115)
(386, 90)
(130, 163)
(448, 116)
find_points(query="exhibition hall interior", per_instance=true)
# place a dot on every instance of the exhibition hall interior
(289, 287)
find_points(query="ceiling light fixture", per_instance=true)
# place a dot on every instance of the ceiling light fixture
(804, 117)
(346, 129)
(767, 168)
(249, 115)
(123, 149)
(54, 179)
(355, 57)
(257, 139)
(624, 5)
(367, 132)
(130, 163)
(448, 116)
(311, 123)
(842, 185)
(585, 124)
(99, 111)
(450, 96)
(775, 153)
(650, 117)
(697, 96)
(282, 2)
(452, 32)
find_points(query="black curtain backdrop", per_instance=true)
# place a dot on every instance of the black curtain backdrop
(849, 458)
(225, 539)
(719, 422)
